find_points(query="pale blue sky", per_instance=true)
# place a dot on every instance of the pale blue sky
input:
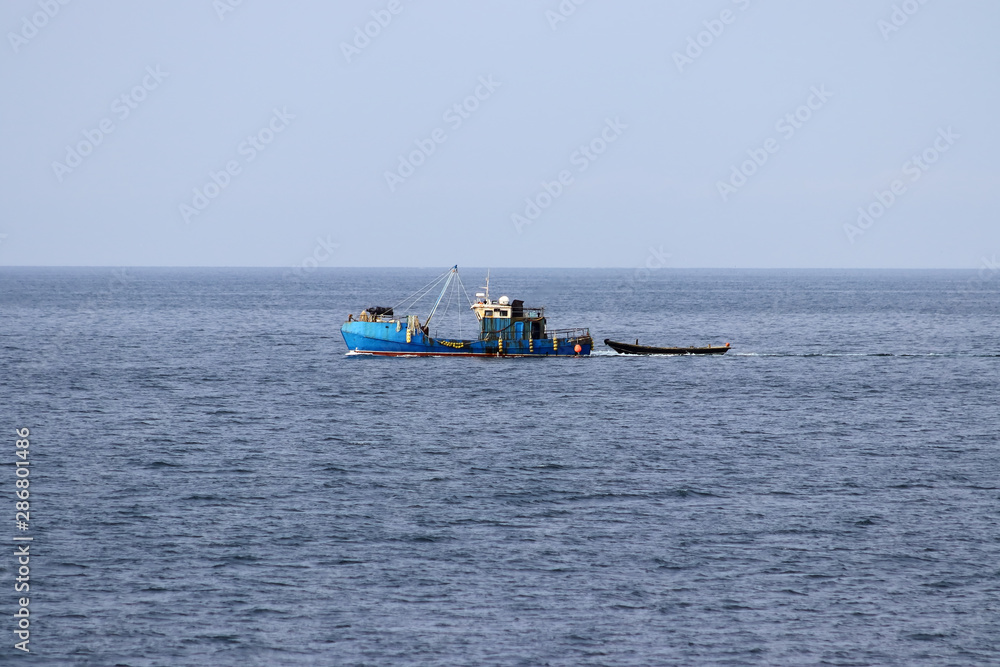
(187, 89)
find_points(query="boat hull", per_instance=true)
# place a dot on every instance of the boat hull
(384, 338)
(627, 348)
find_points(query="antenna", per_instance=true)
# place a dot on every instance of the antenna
(487, 286)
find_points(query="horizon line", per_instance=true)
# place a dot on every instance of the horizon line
(434, 266)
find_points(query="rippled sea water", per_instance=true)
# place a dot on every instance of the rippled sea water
(216, 482)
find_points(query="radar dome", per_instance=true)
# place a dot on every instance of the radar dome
(504, 301)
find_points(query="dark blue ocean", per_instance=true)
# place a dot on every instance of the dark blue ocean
(215, 482)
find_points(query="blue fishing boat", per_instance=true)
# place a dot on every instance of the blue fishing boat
(507, 328)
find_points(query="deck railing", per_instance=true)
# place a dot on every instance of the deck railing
(567, 333)
(549, 334)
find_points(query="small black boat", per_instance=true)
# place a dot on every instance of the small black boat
(628, 348)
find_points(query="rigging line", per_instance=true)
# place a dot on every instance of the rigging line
(426, 288)
(461, 320)
(459, 314)
(447, 303)
(464, 291)
(451, 297)
(467, 298)
(458, 306)
(414, 298)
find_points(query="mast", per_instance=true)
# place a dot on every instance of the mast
(447, 282)
(486, 294)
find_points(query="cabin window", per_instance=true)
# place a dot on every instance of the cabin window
(487, 313)
(497, 313)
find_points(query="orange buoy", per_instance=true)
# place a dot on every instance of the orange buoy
(578, 349)
(727, 344)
